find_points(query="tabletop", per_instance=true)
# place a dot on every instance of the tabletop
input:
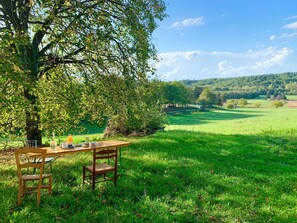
(97, 145)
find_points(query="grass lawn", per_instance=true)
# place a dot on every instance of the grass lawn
(292, 97)
(218, 166)
(247, 120)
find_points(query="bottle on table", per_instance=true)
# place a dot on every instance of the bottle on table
(53, 142)
(70, 140)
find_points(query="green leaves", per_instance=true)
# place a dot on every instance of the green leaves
(73, 60)
(174, 93)
(207, 98)
(136, 111)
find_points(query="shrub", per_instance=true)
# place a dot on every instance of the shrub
(230, 105)
(143, 121)
(278, 103)
(257, 104)
(140, 114)
(242, 102)
(234, 103)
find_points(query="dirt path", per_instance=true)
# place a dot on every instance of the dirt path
(291, 104)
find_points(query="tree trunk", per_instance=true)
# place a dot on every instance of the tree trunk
(32, 119)
(32, 115)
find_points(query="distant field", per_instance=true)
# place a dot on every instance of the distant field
(292, 97)
(248, 120)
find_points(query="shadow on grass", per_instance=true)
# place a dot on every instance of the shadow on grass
(243, 110)
(180, 176)
(193, 118)
(226, 171)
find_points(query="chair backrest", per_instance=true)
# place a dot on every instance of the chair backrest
(22, 157)
(105, 154)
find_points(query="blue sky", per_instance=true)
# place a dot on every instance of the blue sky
(226, 38)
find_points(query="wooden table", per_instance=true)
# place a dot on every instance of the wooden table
(98, 145)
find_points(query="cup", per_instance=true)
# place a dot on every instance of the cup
(64, 145)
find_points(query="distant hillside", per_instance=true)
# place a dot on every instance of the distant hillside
(270, 84)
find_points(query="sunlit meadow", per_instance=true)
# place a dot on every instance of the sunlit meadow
(217, 166)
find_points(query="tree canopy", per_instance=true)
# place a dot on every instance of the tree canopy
(207, 98)
(62, 61)
(174, 93)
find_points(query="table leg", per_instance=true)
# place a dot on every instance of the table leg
(120, 159)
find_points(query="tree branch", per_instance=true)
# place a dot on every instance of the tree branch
(24, 12)
(9, 9)
(47, 23)
(35, 22)
(74, 52)
(56, 61)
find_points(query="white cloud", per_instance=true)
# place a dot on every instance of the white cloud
(272, 37)
(288, 35)
(226, 68)
(284, 35)
(188, 22)
(223, 66)
(203, 64)
(168, 75)
(292, 25)
(276, 58)
(291, 17)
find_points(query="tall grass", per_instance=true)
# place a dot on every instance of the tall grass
(215, 166)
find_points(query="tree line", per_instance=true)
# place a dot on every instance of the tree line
(217, 91)
(271, 85)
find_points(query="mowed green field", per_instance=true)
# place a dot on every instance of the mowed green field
(248, 120)
(218, 166)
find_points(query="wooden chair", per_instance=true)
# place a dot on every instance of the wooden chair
(108, 159)
(22, 156)
(48, 160)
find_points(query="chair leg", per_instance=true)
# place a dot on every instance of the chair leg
(23, 187)
(50, 184)
(84, 175)
(115, 178)
(20, 193)
(38, 197)
(34, 169)
(93, 181)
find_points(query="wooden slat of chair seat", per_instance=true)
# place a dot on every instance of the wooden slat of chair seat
(106, 151)
(35, 176)
(101, 168)
(25, 178)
